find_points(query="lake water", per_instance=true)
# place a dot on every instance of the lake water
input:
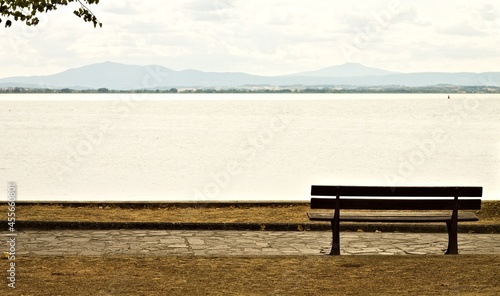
(203, 147)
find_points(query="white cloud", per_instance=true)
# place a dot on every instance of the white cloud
(462, 29)
(489, 12)
(261, 37)
(124, 7)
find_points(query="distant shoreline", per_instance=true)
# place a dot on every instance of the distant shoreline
(263, 89)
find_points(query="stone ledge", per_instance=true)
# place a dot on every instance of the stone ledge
(365, 227)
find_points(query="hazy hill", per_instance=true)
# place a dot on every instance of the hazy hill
(126, 77)
(346, 70)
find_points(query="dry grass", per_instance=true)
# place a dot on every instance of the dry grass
(269, 275)
(291, 275)
(116, 213)
(162, 214)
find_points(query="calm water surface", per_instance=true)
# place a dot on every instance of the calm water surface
(244, 147)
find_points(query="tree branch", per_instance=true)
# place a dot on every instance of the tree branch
(27, 11)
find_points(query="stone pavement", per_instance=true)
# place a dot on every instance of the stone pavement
(230, 243)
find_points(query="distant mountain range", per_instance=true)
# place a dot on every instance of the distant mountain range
(129, 77)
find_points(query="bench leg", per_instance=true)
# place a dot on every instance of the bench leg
(452, 238)
(335, 238)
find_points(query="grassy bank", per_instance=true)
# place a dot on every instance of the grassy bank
(116, 212)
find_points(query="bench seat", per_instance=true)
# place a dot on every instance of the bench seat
(392, 217)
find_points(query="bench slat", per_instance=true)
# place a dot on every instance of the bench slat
(409, 191)
(395, 204)
(410, 217)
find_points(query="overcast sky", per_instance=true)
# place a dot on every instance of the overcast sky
(265, 37)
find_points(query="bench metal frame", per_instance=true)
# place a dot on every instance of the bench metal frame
(383, 198)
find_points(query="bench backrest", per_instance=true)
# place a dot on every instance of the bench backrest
(379, 203)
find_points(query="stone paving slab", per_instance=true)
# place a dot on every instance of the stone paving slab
(234, 243)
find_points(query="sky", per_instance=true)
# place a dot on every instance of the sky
(262, 37)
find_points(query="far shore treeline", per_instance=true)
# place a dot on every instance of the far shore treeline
(271, 89)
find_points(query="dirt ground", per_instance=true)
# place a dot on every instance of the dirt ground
(290, 275)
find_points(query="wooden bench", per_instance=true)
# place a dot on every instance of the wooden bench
(418, 200)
